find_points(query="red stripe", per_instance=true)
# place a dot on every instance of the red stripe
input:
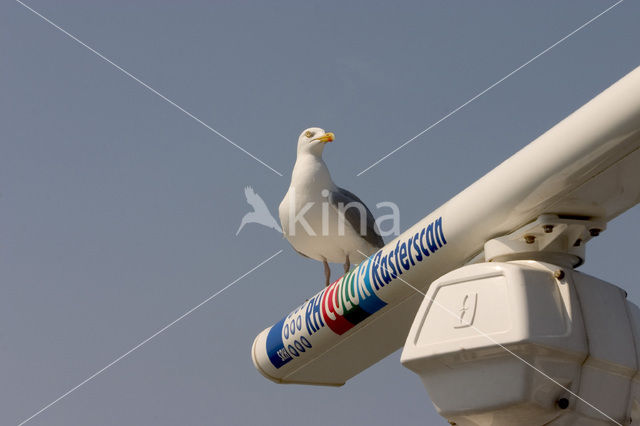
(329, 301)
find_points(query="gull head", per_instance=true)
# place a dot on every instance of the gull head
(313, 140)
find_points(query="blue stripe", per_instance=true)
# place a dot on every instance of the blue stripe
(373, 303)
(274, 344)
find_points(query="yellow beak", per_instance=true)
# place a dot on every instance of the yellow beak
(327, 137)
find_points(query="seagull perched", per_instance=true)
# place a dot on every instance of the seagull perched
(321, 220)
(260, 213)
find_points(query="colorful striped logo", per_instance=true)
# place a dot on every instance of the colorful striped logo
(352, 298)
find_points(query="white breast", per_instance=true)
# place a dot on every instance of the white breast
(324, 238)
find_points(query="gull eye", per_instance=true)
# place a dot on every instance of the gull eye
(308, 133)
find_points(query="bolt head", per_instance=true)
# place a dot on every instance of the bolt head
(559, 274)
(594, 232)
(563, 403)
(529, 239)
(548, 229)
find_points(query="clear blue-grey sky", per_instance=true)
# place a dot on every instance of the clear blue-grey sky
(118, 212)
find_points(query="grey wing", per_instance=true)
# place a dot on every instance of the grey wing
(352, 215)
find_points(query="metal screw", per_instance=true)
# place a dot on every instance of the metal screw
(548, 229)
(529, 239)
(563, 403)
(559, 274)
(594, 232)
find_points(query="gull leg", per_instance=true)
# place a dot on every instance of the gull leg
(327, 273)
(347, 264)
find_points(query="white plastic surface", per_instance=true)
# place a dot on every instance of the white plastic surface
(487, 335)
(607, 372)
(634, 400)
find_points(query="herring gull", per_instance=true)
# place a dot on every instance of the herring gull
(321, 220)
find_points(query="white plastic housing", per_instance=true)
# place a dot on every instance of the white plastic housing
(487, 336)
